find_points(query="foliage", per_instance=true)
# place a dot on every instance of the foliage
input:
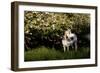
(47, 28)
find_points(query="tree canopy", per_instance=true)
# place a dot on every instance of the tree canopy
(40, 26)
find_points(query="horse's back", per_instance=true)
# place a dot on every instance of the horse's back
(73, 36)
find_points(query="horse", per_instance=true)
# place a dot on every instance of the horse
(69, 39)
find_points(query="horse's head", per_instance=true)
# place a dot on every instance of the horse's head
(67, 32)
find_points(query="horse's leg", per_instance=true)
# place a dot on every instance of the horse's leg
(64, 48)
(72, 45)
(75, 46)
(67, 48)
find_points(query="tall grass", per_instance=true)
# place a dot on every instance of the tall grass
(44, 53)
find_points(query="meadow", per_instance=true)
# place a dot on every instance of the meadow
(44, 53)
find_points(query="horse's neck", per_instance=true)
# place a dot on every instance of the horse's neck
(65, 37)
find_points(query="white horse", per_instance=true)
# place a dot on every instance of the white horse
(69, 39)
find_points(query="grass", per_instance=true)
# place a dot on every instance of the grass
(44, 53)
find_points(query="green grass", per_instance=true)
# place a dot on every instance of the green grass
(44, 53)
